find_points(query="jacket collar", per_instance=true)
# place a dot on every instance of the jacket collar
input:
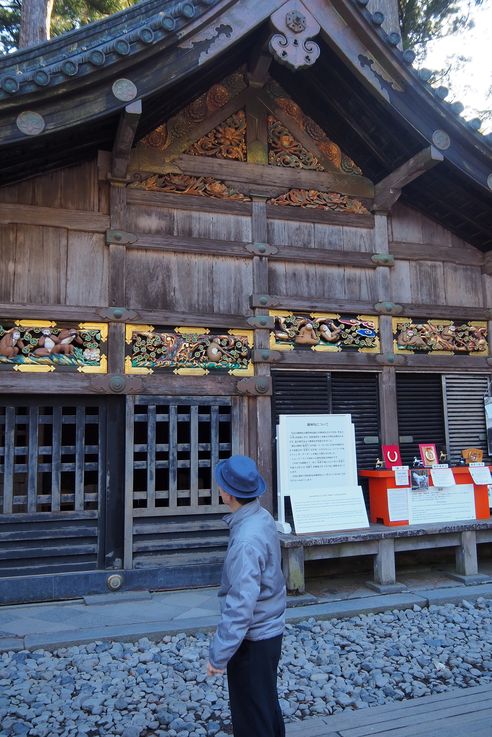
(234, 519)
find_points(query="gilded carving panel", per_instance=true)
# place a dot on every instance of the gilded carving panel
(188, 350)
(324, 332)
(446, 337)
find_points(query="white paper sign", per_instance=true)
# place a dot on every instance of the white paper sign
(442, 476)
(480, 474)
(316, 451)
(329, 509)
(438, 504)
(401, 476)
(398, 504)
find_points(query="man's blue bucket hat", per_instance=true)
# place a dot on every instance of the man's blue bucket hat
(239, 476)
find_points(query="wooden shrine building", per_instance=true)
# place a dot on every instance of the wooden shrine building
(213, 212)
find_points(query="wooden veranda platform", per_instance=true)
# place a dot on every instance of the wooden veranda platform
(451, 714)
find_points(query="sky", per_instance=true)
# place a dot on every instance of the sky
(472, 83)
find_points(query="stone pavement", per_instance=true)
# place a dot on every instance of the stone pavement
(134, 614)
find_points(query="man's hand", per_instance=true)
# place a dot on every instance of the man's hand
(211, 671)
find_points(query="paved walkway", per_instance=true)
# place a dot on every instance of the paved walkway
(457, 713)
(131, 615)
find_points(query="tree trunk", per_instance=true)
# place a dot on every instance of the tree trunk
(35, 22)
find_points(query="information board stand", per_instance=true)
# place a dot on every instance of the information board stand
(316, 469)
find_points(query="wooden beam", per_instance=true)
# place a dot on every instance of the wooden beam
(276, 178)
(467, 256)
(85, 220)
(388, 190)
(125, 135)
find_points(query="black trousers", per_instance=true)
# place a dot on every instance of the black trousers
(252, 679)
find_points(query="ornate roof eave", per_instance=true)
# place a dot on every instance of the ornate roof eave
(347, 29)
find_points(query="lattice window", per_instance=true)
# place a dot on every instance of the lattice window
(176, 444)
(51, 456)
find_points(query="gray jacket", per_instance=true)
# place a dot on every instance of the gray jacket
(252, 591)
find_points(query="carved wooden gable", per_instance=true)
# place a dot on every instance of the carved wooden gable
(232, 142)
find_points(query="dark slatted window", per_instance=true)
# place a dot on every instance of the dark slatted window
(358, 395)
(317, 392)
(465, 413)
(420, 413)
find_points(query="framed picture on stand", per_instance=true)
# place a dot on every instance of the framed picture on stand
(428, 453)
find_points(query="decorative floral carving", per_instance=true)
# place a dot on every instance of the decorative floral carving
(311, 198)
(325, 332)
(284, 150)
(225, 141)
(196, 186)
(158, 138)
(34, 345)
(328, 148)
(440, 336)
(188, 348)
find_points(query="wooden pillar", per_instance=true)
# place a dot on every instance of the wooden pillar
(261, 407)
(117, 253)
(466, 554)
(387, 378)
(385, 569)
(293, 569)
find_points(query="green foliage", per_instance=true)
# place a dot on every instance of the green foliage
(422, 21)
(67, 15)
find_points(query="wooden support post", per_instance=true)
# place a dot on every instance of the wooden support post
(385, 569)
(117, 253)
(125, 134)
(467, 560)
(293, 568)
(263, 405)
(388, 190)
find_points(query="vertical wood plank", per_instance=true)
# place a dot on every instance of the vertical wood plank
(173, 456)
(8, 459)
(384, 563)
(214, 451)
(32, 460)
(129, 445)
(8, 235)
(79, 458)
(56, 437)
(87, 269)
(151, 432)
(466, 554)
(117, 253)
(102, 466)
(194, 456)
(388, 407)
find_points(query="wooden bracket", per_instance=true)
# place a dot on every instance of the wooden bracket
(263, 300)
(388, 190)
(261, 322)
(261, 249)
(125, 135)
(388, 308)
(255, 386)
(383, 259)
(264, 355)
(119, 314)
(119, 238)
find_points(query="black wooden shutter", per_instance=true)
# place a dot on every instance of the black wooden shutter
(465, 413)
(420, 413)
(318, 392)
(357, 394)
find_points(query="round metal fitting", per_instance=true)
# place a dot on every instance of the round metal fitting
(168, 23)
(146, 35)
(409, 56)
(262, 321)
(41, 78)
(118, 313)
(263, 300)
(261, 249)
(394, 39)
(441, 140)
(30, 123)
(124, 90)
(425, 74)
(122, 47)
(97, 57)
(10, 84)
(441, 92)
(117, 383)
(188, 10)
(262, 386)
(457, 107)
(377, 18)
(114, 581)
(475, 123)
(70, 68)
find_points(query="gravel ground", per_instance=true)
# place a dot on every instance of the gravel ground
(144, 688)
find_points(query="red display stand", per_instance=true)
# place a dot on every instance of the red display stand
(381, 481)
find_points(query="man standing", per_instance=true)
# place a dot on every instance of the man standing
(248, 639)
